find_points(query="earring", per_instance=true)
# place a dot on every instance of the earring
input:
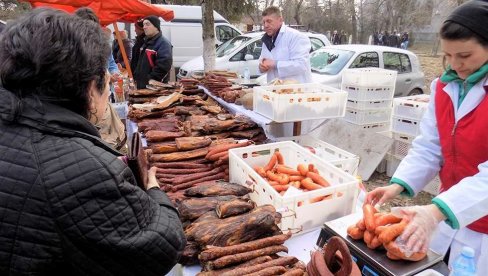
(94, 115)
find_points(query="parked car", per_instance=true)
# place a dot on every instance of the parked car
(329, 62)
(241, 52)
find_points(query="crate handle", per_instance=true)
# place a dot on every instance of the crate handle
(406, 121)
(409, 104)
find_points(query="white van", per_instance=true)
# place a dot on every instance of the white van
(185, 32)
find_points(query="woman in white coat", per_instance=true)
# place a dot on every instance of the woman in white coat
(454, 143)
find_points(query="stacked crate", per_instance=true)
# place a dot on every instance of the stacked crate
(405, 126)
(370, 95)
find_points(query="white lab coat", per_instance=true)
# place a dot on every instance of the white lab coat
(292, 56)
(468, 199)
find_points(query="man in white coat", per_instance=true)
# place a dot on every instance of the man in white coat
(286, 56)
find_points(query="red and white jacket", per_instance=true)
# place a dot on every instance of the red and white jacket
(453, 141)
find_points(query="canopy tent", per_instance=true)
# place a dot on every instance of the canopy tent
(110, 12)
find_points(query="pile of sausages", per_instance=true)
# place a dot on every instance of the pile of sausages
(251, 258)
(333, 259)
(380, 230)
(281, 177)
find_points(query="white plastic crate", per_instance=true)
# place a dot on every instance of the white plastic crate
(376, 127)
(362, 117)
(297, 102)
(340, 158)
(368, 93)
(412, 107)
(297, 213)
(433, 186)
(371, 76)
(406, 126)
(366, 105)
(392, 163)
(400, 148)
(403, 137)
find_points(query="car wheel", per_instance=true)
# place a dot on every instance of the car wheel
(415, 91)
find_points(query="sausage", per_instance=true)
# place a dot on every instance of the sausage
(296, 178)
(308, 184)
(270, 271)
(287, 170)
(226, 147)
(271, 164)
(360, 224)
(392, 232)
(318, 179)
(279, 158)
(280, 188)
(302, 169)
(245, 256)
(260, 171)
(395, 251)
(281, 261)
(368, 212)
(355, 233)
(215, 252)
(294, 272)
(387, 219)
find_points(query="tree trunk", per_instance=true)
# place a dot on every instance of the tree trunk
(208, 35)
(297, 12)
(353, 21)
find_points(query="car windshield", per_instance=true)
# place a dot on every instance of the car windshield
(329, 61)
(230, 45)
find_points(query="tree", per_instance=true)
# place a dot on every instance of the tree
(232, 10)
(208, 35)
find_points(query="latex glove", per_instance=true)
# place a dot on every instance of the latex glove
(423, 221)
(383, 194)
(151, 179)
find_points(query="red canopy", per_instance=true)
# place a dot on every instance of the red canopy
(109, 11)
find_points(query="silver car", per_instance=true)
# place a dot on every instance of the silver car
(329, 62)
(241, 52)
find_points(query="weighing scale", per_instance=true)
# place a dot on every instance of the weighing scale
(374, 262)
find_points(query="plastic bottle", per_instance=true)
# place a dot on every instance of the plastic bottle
(464, 264)
(247, 74)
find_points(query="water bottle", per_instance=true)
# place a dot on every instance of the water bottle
(247, 74)
(464, 264)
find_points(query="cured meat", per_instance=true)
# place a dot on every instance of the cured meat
(160, 135)
(270, 271)
(220, 188)
(182, 171)
(180, 165)
(248, 134)
(190, 143)
(190, 254)
(218, 176)
(188, 110)
(179, 156)
(167, 147)
(234, 207)
(193, 208)
(245, 256)
(210, 230)
(214, 252)
(258, 260)
(282, 261)
(214, 109)
(187, 178)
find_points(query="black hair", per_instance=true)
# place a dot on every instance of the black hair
(54, 56)
(88, 14)
(453, 31)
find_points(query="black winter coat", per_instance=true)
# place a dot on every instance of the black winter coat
(154, 62)
(139, 41)
(68, 205)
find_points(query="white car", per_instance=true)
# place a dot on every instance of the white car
(241, 52)
(329, 62)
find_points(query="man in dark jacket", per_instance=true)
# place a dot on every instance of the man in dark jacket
(155, 57)
(139, 41)
(68, 204)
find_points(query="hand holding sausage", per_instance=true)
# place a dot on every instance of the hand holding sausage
(383, 194)
(423, 221)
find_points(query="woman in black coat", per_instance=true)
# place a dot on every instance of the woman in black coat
(68, 204)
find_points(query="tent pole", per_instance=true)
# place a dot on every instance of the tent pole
(122, 50)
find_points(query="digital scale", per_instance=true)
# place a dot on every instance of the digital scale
(374, 262)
